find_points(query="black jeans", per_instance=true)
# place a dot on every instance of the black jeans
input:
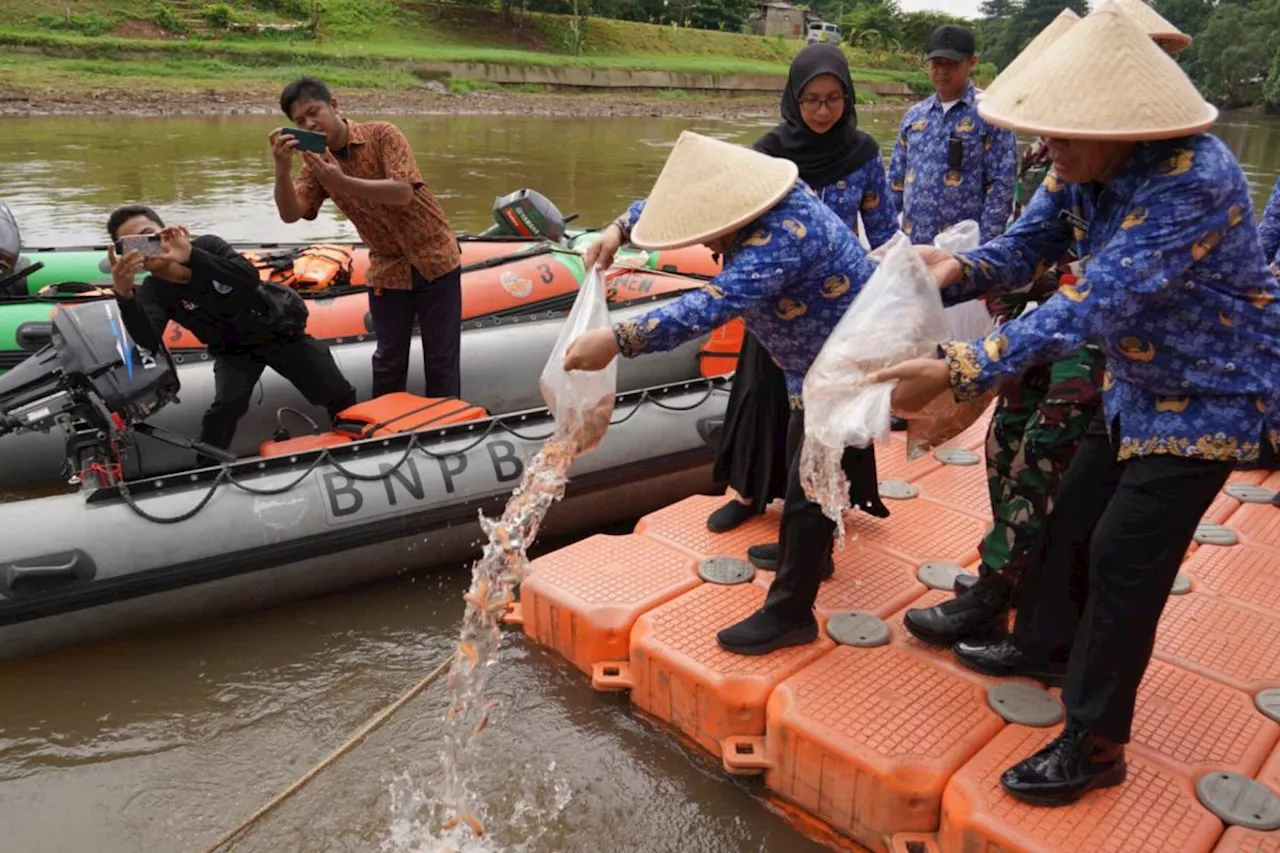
(304, 361)
(437, 306)
(1116, 538)
(805, 539)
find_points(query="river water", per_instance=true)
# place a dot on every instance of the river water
(162, 742)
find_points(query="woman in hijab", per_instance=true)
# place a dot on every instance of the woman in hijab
(819, 133)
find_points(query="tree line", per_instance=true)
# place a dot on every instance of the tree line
(1234, 59)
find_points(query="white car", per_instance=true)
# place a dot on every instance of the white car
(820, 31)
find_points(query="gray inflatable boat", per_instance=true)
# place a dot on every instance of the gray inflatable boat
(262, 531)
(502, 359)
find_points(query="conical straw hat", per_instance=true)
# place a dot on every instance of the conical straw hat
(1057, 28)
(1170, 37)
(1104, 79)
(707, 189)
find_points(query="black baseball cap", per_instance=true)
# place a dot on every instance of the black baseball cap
(951, 42)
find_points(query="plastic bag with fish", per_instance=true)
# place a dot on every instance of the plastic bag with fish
(898, 315)
(581, 400)
(945, 418)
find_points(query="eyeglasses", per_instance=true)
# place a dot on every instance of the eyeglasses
(811, 104)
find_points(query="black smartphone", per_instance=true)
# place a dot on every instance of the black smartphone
(955, 152)
(308, 140)
(147, 244)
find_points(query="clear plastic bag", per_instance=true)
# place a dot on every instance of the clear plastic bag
(969, 320)
(581, 400)
(944, 418)
(898, 315)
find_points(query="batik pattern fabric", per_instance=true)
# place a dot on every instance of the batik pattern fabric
(1039, 421)
(865, 192)
(790, 275)
(1269, 227)
(933, 195)
(1175, 292)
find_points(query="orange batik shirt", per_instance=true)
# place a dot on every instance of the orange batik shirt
(416, 235)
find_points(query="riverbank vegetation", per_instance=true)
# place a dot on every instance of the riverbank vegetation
(379, 44)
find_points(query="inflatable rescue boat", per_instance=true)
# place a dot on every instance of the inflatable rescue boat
(396, 486)
(528, 262)
(502, 358)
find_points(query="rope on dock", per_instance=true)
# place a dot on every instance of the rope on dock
(351, 742)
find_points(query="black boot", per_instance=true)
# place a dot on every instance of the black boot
(763, 632)
(980, 613)
(1072, 765)
(729, 516)
(964, 582)
(897, 424)
(765, 558)
(1003, 659)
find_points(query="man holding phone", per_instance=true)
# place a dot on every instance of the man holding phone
(949, 165)
(210, 289)
(369, 171)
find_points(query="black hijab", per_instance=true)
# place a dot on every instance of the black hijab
(823, 158)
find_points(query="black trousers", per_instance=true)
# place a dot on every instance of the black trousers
(1120, 531)
(304, 361)
(805, 537)
(437, 306)
(1055, 588)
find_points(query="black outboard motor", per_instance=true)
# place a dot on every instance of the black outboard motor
(92, 380)
(529, 214)
(10, 241)
(14, 268)
(91, 369)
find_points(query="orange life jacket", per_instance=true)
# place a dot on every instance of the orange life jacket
(317, 267)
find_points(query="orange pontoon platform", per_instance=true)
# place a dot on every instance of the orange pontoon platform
(892, 746)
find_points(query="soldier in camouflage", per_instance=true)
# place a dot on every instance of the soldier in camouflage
(1040, 419)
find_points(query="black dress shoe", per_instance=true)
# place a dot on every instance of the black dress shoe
(980, 613)
(1004, 659)
(729, 516)
(1072, 765)
(897, 424)
(762, 632)
(765, 558)
(964, 582)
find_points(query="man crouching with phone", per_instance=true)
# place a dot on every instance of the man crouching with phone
(210, 289)
(369, 171)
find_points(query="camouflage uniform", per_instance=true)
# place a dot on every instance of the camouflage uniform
(1039, 421)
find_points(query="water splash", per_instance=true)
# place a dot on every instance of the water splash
(825, 483)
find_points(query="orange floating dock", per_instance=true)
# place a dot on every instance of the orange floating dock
(891, 743)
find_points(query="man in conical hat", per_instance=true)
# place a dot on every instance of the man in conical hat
(1176, 292)
(1040, 419)
(792, 267)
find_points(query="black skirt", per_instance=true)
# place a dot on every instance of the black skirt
(753, 456)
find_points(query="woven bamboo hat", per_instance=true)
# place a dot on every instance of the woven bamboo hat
(1103, 79)
(1166, 34)
(708, 188)
(1057, 28)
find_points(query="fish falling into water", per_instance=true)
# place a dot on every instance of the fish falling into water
(493, 579)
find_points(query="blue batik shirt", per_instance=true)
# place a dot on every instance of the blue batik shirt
(1269, 227)
(864, 191)
(790, 275)
(1175, 289)
(930, 193)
